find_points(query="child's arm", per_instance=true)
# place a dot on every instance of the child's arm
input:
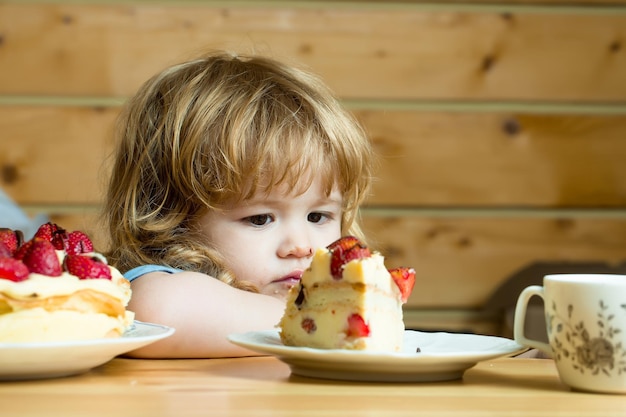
(203, 310)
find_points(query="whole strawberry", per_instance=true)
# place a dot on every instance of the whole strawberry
(12, 239)
(13, 269)
(40, 256)
(86, 267)
(54, 234)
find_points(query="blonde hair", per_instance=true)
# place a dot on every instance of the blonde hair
(205, 132)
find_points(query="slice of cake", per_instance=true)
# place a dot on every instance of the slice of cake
(56, 288)
(347, 299)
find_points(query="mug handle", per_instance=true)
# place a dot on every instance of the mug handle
(520, 319)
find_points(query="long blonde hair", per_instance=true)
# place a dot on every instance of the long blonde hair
(205, 132)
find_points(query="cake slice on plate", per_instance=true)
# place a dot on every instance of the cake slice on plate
(347, 299)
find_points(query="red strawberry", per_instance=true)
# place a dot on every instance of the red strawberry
(46, 231)
(78, 242)
(86, 267)
(59, 239)
(357, 326)
(13, 270)
(5, 252)
(343, 251)
(345, 242)
(40, 257)
(12, 239)
(404, 278)
(54, 234)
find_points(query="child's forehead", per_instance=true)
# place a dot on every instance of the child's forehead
(268, 188)
(294, 186)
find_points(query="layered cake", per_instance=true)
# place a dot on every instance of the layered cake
(347, 299)
(54, 287)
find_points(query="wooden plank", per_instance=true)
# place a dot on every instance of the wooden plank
(394, 53)
(55, 155)
(58, 155)
(461, 261)
(498, 159)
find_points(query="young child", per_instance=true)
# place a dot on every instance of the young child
(229, 172)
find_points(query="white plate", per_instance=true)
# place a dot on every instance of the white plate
(56, 359)
(442, 356)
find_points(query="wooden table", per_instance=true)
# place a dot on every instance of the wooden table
(263, 386)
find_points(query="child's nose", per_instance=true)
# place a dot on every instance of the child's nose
(303, 251)
(298, 249)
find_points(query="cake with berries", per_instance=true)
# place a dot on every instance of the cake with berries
(54, 287)
(347, 299)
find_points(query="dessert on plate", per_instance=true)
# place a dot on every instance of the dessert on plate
(54, 287)
(347, 299)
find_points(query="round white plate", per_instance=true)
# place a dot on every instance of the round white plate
(56, 359)
(441, 357)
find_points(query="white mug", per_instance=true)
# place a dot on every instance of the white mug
(586, 325)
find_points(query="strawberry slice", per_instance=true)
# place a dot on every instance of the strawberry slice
(404, 277)
(86, 267)
(12, 239)
(343, 243)
(309, 326)
(357, 326)
(78, 242)
(13, 269)
(343, 251)
(40, 257)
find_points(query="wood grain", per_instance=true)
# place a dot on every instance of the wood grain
(461, 260)
(55, 155)
(498, 159)
(264, 386)
(394, 53)
(58, 155)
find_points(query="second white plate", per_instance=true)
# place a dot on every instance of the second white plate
(56, 359)
(441, 356)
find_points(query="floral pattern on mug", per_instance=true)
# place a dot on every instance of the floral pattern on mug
(594, 353)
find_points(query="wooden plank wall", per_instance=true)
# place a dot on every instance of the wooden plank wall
(501, 127)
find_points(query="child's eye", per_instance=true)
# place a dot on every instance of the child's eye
(317, 217)
(259, 219)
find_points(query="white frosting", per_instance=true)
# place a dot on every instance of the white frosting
(42, 286)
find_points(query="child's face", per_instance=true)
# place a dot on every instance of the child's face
(269, 240)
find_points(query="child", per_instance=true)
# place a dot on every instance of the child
(229, 172)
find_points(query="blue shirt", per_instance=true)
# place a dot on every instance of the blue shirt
(144, 269)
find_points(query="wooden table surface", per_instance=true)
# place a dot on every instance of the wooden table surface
(263, 386)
